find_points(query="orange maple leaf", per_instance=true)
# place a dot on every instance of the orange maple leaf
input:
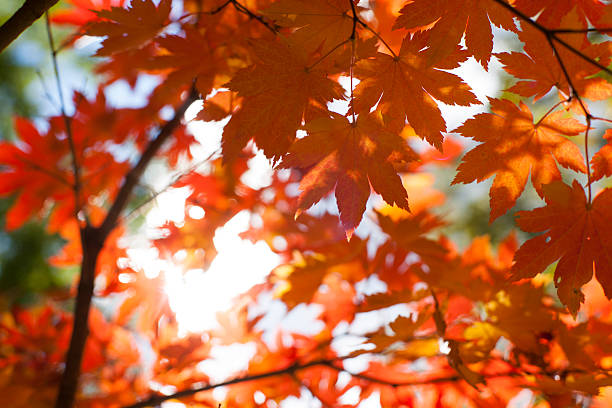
(550, 13)
(575, 232)
(513, 146)
(217, 107)
(602, 160)
(321, 24)
(538, 53)
(405, 88)
(129, 28)
(184, 65)
(346, 155)
(282, 72)
(448, 20)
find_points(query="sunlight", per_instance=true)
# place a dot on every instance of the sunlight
(197, 295)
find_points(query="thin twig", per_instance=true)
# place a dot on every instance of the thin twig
(243, 9)
(604, 119)
(548, 112)
(214, 11)
(158, 399)
(67, 121)
(587, 114)
(43, 85)
(292, 369)
(586, 154)
(580, 31)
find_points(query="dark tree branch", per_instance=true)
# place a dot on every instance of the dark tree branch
(92, 241)
(579, 31)
(91, 244)
(29, 12)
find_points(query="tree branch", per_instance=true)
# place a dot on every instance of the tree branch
(158, 399)
(92, 241)
(91, 244)
(29, 12)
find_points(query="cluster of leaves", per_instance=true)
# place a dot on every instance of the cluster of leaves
(479, 325)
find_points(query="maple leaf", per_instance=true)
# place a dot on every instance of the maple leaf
(538, 53)
(38, 164)
(281, 73)
(129, 28)
(405, 88)
(346, 156)
(217, 107)
(321, 24)
(513, 147)
(299, 281)
(550, 13)
(602, 160)
(83, 11)
(184, 65)
(447, 21)
(574, 232)
(126, 65)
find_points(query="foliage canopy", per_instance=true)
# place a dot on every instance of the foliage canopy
(527, 319)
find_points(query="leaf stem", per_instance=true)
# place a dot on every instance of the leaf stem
(327, 54)
(586, 158)
(569, 98)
